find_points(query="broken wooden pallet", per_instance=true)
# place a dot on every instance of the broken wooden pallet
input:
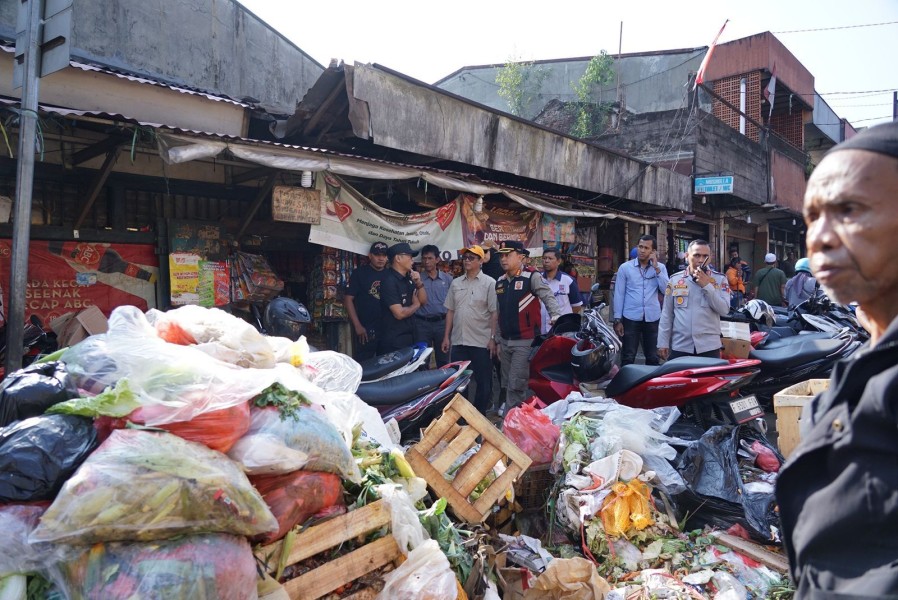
(449, 437)
(331, 534)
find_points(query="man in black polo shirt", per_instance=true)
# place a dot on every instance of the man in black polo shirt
(362, 301)
(401, 294)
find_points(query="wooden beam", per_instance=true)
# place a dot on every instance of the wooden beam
(101, 147)
(96, 186)
(261, 196)
(257, 173)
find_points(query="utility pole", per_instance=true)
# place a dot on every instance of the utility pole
(21, 237)
(43, 32)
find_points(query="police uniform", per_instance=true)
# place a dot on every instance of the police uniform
(690, 316)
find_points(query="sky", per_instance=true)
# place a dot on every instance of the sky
(854, 67)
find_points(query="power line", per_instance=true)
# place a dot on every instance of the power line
(859, 92)
(840, 27)
(859, 105)
(852, 121)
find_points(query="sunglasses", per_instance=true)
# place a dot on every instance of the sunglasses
(469, 257)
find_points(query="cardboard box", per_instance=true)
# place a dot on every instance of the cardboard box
(736, 339)
(71, 328)
(788, 404)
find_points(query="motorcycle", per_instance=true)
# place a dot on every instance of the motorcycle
(36, 341)
(415, 399)
(398, 362)
(579, 348)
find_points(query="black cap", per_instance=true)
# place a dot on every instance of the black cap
(378, 248)
(514, 245)
(400, 248)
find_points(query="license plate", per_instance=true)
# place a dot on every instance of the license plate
(746, 409)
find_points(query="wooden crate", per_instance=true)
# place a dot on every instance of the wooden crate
(446, 439)
(328, 535)
(788, 405)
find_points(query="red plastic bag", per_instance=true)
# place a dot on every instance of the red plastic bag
(217, 429)
(532, 431)
(295, 497)
(766, 460)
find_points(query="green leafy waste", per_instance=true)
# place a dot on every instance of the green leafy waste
(288, 402)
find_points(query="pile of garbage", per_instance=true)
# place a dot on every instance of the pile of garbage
(169, 456)
(151, 460)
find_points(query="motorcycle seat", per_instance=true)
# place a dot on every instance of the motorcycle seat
(402, 388)
(630, 376)
(796, 351)
(377, 367)
(785, 340)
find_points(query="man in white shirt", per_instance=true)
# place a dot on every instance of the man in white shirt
(563, 287)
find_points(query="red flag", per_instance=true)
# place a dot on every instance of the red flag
(770, 91)
(700, 76)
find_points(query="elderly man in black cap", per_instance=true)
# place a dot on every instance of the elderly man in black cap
(518, 292)
(838, 493)
(402, 294)
(362, 301)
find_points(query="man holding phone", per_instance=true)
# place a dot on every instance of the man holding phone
(636, 306)
(694, 301)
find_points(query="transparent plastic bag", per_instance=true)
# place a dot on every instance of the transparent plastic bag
(277, 444)
(209, 566)
(295, 497)
(17, 521)
(634, 429)
(426, 575)
(171, 383)
(333, 371)
(406, 526)
(143, 485)
(215, 332)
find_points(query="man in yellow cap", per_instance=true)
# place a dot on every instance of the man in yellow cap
(471, 320)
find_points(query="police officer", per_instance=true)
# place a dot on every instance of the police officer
(694, 301)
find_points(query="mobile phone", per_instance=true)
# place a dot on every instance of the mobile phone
(702, 267)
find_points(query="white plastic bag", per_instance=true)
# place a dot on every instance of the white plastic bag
(216, 333)
(406, 526)
(426, 575)
(333, 371)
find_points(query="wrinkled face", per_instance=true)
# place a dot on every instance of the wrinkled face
(550, 261)
(697, 255)
(511, 261)
(378, 261)
(852, 216)
(429, 261)
(644, 250)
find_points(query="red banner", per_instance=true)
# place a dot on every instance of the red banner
(68, 277)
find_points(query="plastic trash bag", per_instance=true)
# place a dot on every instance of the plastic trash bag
(295, 497)
(626, 509)
(217, 429)
(635, 429)
(215, 332)
(532, 432)
(425, 575)
(209, 566)
(405, 524)
(17, 521)
(716, 493)
(172, 383)
(275, 445)
(13, 587)
(143, 485)
(333, 371)
(39, 454)
(30, 391)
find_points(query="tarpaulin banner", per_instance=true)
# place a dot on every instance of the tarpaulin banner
(67, 277)
(349, 221)
(558, 229)
(499, 221)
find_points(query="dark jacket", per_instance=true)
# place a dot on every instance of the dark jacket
(838, 494)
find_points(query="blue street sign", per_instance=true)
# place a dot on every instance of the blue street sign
(714, 185)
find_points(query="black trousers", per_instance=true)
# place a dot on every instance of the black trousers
(636, 332)
(482, 365)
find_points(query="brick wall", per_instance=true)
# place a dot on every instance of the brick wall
(789, 126)
(728, 89)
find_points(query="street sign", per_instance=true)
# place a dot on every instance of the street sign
(714, 185)
(55, 37)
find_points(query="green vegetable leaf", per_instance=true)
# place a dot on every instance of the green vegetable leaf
(119, 401)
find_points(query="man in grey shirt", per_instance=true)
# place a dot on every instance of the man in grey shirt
(430, 320)
(471, 323)
(694, 301)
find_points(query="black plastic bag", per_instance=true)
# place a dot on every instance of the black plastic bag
(716, 495)
(30, 391)
(39, 454)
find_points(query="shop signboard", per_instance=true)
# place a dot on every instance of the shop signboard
(66, 277)
(714, 185)
(484, 220)
(295, 204)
